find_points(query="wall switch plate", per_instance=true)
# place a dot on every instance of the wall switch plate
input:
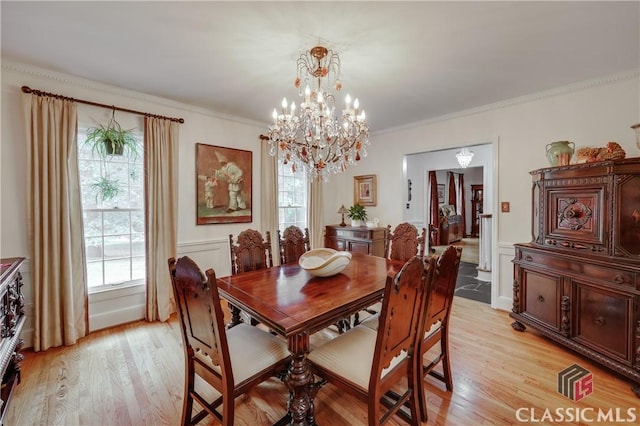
(504, 207)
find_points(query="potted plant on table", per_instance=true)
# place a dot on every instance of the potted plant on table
(358, 215)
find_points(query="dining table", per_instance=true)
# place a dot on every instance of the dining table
(295, 304)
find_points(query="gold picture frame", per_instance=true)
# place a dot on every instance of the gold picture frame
(223, 185)
(365, 190)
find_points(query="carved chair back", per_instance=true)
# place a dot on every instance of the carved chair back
(293, 244)
(404, 242)
(401, 314)
(201, 325)
(436, 323)
(251, 252)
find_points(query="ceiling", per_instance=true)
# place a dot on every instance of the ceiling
(406, 61)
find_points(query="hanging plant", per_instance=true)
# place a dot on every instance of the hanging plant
(106, 188)
(112, 139)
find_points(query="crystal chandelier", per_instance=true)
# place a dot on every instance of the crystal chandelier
(464, 157)
(313, 137)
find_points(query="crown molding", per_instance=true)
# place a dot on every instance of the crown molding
(558, 91)
(119, 91)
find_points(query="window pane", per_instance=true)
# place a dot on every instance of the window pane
(117, 222)
(138, 266)
(92, 224)
(137, 221)
(93, 248)
(94, 274)
(115, 247)
(292, 197)
(117, 271)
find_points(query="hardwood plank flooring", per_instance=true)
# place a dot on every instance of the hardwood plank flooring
(133, 375)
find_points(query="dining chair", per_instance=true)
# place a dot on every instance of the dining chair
(404, 242)
(230, 361)
(401, 244)
(293, 244)
(368, 363)
(250, 253)
(436, 323)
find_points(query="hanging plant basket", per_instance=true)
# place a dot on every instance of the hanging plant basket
(112, 139)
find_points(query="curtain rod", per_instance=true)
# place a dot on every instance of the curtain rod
(27, 89)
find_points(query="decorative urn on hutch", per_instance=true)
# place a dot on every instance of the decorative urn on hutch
(560, 153)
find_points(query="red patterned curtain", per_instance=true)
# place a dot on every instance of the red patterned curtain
(452, 189)
(434, 211)
(462, 208)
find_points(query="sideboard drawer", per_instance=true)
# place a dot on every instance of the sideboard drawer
(576, 267)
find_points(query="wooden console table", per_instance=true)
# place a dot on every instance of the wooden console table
(356, 239)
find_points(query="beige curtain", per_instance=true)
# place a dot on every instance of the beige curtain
(269, 196)
(55, 222)
(161, 211)
(316, 214)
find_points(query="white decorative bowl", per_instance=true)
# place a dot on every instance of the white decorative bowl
(324, 262)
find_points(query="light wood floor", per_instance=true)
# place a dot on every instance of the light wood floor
(133, 375)
(470, 249)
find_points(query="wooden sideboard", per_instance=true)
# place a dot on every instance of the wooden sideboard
(450, 229)
(12, 320)
(356, 239)
(578, 280)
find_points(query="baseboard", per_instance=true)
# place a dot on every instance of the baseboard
(116, 317)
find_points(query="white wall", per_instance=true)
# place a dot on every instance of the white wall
(207, 244)
(588, 113)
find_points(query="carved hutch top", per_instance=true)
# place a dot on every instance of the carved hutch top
(589, 208)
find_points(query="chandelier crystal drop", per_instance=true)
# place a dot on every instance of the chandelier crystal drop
(312, 136)
(464, 157)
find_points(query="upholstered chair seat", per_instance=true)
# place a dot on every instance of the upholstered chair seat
(350, 355)
(251, 350)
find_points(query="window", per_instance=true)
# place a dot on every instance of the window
(113, 212)
(292, 197)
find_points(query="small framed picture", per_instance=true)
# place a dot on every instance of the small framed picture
(365, 189)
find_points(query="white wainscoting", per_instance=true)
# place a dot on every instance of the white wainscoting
(502, 290)
(126, 304)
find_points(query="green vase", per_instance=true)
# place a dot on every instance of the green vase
(560, 153)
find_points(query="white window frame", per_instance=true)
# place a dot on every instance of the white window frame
(293, 197)
(133, 237)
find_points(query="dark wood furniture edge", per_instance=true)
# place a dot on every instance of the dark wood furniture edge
(626, 372)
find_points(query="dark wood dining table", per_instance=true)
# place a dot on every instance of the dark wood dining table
(294, 304)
